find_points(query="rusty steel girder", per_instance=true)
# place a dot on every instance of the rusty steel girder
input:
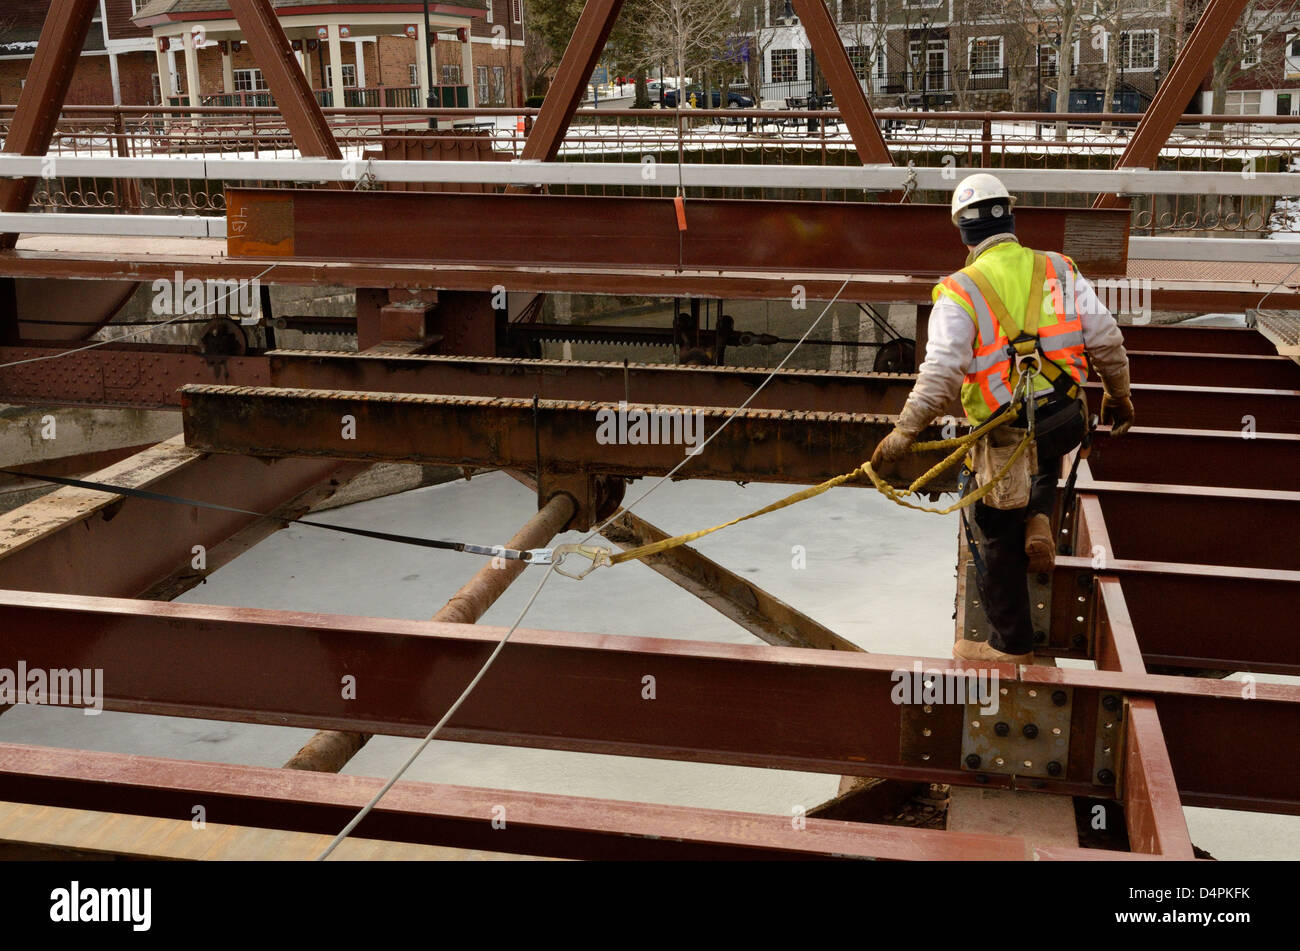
(561, 231)
(539, 824)
(553, 436)
(149, 377)
(757, 446)
(821, 711)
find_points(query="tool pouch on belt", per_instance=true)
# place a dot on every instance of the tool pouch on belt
(991, 453)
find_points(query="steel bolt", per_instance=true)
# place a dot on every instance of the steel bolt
(1105, 777)
(1053, 768)
(1110, 702)
(973, 761)
(1030, 730)
(1059, 698)
(1001, 728)
(1078, 642)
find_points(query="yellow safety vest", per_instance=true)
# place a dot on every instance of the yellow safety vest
(1015, 294)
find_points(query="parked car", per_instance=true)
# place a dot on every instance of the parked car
(735, 100)
(655, 90)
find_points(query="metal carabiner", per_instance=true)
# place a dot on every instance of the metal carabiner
(599, 556)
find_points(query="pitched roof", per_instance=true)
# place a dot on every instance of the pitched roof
(20, 28)
(175, 7)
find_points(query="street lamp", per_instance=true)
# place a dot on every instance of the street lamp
(428, 65)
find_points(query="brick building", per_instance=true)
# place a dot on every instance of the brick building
(116, 65)
(140, 52)
(971, 54)
(1259, 65)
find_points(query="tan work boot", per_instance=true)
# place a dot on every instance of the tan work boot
(1038, 544)
(986, 652)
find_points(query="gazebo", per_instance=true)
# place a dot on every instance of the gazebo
(202, 30)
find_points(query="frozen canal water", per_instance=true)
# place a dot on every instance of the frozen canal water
(877, 574)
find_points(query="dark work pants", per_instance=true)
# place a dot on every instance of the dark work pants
(1004, 587)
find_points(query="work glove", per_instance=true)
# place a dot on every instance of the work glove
(1118, 412)
(889, 450)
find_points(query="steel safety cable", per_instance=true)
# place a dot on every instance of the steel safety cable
(133, 333)
(494, 551)
(424, 744)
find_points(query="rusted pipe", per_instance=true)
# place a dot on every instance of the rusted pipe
(330, 750)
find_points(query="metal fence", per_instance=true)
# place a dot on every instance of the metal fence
(741, 137)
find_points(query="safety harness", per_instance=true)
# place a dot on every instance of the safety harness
(1024, 345)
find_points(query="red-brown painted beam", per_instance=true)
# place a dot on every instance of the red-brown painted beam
(776, 707)
(134, 264)
(571, 78)
(1252, 371)
(1198, 457)
(560, 231)
(461, 816)
(833, 59)
(562, 436)
(1232, 745)
(785, 708)
(77, 541)
(1195, 616)
(57, 53)
(1153, 813)
(150, 377)
(1185, 76)
(1244, 528)
(1181, 338)
(284, 77)
(1166, 405)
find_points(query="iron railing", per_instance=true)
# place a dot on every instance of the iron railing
(725, 136)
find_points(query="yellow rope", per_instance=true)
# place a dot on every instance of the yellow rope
(958, 445)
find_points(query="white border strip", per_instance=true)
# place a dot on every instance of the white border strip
(1128, 181)
(149, 226)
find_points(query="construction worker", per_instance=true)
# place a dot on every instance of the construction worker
(981, 341)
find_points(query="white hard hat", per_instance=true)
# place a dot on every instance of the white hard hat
(974, 189)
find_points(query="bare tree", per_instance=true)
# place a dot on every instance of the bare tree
(1252, 48)
(1063, 21)
(1110, 21)
(688, 34)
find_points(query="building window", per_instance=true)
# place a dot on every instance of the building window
(451, 75)
(136, 5)
(860, 57)
(489, 10)
(517, 10)
(1250, 45)
(413, 73)
(349, 76)
(986, 55)
(1050, 57)
(1244, 102)
(855, 11)
(499, 85)
(1138, 49)
(491, 83)
(930, 70)
(157, 89)
(249, 80)
(1292, 62)
(785, 66)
